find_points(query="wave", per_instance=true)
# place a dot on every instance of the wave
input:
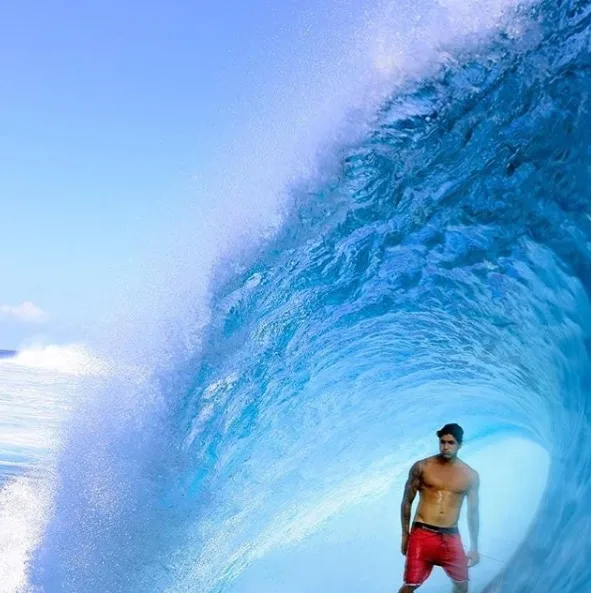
(67, 359)
(439, 270)
(25, 505)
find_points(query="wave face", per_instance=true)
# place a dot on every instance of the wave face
(442, 273)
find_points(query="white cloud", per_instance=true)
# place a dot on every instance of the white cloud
(26, 311)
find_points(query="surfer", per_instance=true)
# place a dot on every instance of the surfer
(442, 481)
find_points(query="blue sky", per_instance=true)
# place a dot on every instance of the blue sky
(112, 114)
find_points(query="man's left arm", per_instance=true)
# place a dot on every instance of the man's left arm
(473, 520)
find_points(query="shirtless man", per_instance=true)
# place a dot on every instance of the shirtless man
(443, 481)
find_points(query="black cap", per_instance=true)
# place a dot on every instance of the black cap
(456, 431)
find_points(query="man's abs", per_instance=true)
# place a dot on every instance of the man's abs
(440, 508)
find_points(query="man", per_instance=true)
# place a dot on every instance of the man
(443, 481)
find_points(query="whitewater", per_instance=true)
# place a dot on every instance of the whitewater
(435, 268)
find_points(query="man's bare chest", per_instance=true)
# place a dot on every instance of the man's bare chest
(457, 482)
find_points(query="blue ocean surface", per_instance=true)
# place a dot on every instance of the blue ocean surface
(35, 402)
(440, 271)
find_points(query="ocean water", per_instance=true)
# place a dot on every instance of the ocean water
(438, 270)
(35, 401)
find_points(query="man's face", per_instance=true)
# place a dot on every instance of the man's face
(448, 446)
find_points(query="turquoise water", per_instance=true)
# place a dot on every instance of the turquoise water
(439, 272)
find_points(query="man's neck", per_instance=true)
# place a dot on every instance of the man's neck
(447, 461)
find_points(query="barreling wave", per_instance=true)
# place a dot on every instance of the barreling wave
(442, 272)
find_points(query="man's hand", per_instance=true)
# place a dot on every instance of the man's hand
(404, 544)
(473, 558)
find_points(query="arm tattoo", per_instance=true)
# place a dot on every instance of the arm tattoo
(410, 491)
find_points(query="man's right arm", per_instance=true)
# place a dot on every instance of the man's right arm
(410, 491)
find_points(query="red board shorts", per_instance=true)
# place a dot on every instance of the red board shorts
(430, 546)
